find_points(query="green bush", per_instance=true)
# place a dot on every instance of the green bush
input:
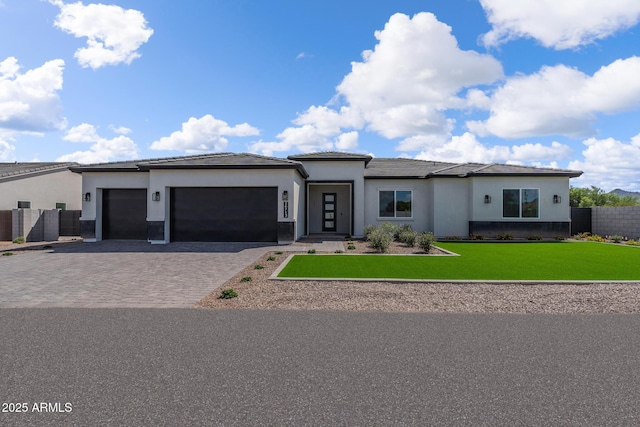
(616, 238)
(401, 229)
(380, 240)
(258, 267)
(425, 241)
(311, 251)
(596, 238)
(272, 258)
(246, 279)
(339, 251)
(278, 253)
(368, 229)
(19, 240)
(228, 294)
(390, 228)
(408, 237)
(534, 237)
(7, 253)
(476, 237)
(560, 238)
(351, 246)
(504, 236)
(582, 236)
(632, 242)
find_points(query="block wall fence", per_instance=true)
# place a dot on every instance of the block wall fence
(623, 221)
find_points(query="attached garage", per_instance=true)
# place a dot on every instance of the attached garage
(224, 214)
(124, 214)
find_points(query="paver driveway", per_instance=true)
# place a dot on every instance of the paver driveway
(122, 273)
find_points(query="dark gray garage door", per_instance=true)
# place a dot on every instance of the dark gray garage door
(124, 214)
(224, 214)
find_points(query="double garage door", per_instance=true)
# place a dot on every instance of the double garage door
(197, 214)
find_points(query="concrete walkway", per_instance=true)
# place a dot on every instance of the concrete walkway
(126, 273)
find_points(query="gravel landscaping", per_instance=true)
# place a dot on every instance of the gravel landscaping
(262, 293)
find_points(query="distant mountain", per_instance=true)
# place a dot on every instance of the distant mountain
(623, 193)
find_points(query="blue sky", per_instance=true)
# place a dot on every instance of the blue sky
(551, 83)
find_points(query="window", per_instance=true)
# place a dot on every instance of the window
(24, 204)
(395, 203)
(520, 203)
(61, 206)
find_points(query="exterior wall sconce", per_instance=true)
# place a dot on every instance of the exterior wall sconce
(87, 197)
(155, 196)
(487, 198)
(556, 198)
(285, 195)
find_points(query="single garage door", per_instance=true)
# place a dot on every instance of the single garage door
(124, 214)
(224, 214)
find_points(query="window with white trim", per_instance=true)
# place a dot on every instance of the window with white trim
(521, 203)
(395, 203)
(23, 204)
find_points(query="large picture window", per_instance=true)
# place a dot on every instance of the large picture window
(521, 203)
(395, 203)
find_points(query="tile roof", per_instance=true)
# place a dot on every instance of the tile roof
(10, 171)
(200, 161)
(331, 155)
(410, 168)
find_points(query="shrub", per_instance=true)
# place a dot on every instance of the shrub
(351, 246)
(581, 236)
(246, 279)
(19, 240)
(272, 258)
(7, 253)
(425, 241)
(258, 267)
(596, 238)
(534, 237)
(632, 242)
(451, 238)
(408, 237)
(368, 229)
(476, 237)
(228, 294)
(278, 253)
(616, 238)
(380, 240)
(559, 238)
(390, 228)
(401, 229)
(504, 236)
(311, 251)
(339, 251)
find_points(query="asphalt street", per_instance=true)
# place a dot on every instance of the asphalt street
(224, 367)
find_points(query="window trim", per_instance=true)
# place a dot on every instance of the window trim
(23, 201)
(520, 193)
(395, 200)
(61, 203)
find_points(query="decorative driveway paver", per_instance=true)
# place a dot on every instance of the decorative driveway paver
(122, 273)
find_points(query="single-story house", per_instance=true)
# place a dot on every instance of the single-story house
(39, 186)
(252, 198)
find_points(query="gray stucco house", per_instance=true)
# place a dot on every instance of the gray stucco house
(252, 198)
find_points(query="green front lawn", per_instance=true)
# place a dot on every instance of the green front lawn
(482, 261)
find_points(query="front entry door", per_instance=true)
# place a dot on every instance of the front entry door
(329, 212)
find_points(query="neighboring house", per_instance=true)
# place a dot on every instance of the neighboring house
(252, 198)
(39, 186)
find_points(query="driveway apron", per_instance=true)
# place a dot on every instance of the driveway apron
(121, 273)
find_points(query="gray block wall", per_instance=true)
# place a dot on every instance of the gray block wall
(623, 221)
(35, 225)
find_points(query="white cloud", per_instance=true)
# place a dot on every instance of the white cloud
(467, 148)
(609, 164)
(347, 141)
(102, 150)
(121, 130)
(561, 100)
(29, 102)
(412, 75)
(204, 134)
(113, 34)
(400, 89)
(561, 24)
(6, 150)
